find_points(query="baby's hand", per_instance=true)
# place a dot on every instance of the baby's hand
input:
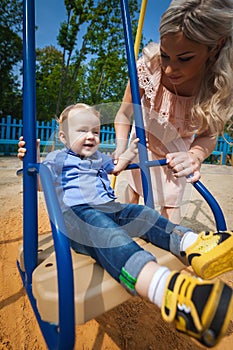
(132, 151)
(21, 150)
(121, 148)
(126, 157)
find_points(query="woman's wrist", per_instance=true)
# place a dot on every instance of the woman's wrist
(198, 157)
(121, 145)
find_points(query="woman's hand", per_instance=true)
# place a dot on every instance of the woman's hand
(184, 164)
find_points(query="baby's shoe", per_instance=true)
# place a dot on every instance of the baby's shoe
(212, 254)
(201, 309)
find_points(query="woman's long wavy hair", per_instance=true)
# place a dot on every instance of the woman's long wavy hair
(208, 22)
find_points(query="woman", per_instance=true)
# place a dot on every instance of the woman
(186, 95)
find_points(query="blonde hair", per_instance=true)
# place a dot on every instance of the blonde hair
(208, 22)
(78, 106)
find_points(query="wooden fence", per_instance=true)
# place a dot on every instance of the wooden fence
(11, 129)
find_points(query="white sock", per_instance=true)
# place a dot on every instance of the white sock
(187, 240)
(157, 285)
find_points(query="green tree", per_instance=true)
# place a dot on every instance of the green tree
(108, 72)
(10, 56)
(78, 13)
(48, 77)
(94, 67)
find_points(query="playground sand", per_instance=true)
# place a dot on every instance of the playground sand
(134, 325)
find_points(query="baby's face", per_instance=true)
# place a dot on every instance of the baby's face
(82, 132)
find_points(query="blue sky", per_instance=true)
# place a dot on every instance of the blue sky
(50, 13)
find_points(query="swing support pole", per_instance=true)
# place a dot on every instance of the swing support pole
(136, 49)
(30, 221)
(57, 336)
(139, 125)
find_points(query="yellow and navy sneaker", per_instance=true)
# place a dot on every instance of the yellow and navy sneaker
(212, 254)
(201, 309)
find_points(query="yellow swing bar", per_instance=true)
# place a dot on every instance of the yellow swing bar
(139, 29)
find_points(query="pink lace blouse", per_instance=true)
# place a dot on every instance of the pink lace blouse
(168, 127)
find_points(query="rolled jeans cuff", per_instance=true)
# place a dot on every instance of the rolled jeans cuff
(176, 237)
(133, 267)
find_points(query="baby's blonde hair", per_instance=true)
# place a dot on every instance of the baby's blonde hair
(78, 106)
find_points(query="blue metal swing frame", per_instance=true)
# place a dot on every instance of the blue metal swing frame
(62, 335)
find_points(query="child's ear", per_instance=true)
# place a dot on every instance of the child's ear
(62, 137)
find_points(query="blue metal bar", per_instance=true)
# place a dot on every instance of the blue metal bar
(217, 212)
(61, 336)
(140, 131)
(66, 335)
(49, 331)
(30, 221)
(213, 204)
(148, 164)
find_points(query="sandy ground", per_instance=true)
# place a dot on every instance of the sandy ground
(136, 324)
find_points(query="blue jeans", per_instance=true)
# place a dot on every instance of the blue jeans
(105, 233)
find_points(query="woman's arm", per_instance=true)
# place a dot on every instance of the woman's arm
(122, 122)
(203, 146)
